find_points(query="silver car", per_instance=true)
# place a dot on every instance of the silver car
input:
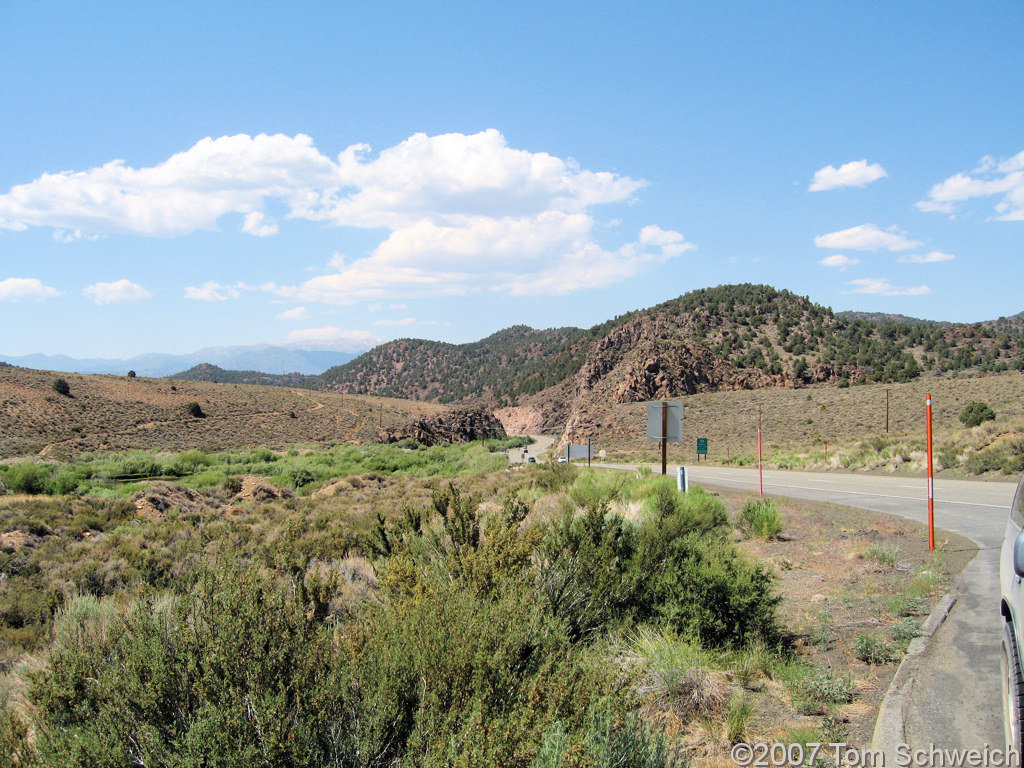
(1011, 574)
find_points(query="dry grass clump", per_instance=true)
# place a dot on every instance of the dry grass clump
(674, 675)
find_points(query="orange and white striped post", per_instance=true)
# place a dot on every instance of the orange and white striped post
(931, 476)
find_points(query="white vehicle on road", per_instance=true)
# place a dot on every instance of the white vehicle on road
(1011, 576)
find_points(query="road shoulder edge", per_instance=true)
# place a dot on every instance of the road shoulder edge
(890, 723)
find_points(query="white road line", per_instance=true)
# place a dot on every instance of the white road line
(866, 493)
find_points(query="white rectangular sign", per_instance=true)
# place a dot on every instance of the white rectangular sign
(674, 422)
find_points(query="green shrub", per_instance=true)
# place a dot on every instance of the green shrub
(989, 460)
(189, 462)
(585, 572)
(760, 517)
(826, 687)
(884, 554)
(552, 476)
(873, 649)
(263, 456)
(28, 477)
(824, 630)
(238, 671)
(194, 410)
(904, 631)
(61, 387)
(140, 465)
(976, 412)
(606, 741)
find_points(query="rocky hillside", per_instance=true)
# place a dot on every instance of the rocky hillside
(722, 338)
(493, 370)
(460, 425)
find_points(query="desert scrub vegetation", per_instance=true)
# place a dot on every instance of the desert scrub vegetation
(760, 517)
(294, 469)
(429, 622)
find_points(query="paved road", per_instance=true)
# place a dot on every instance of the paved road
(536, 449)
(954, 701)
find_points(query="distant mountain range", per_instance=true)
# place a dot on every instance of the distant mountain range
(266, 358)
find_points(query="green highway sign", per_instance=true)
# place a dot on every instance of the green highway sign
(702, 446)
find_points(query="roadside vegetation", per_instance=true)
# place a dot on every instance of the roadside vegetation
(382, 605)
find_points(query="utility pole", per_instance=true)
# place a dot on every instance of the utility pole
(887, 411)
(760, 471)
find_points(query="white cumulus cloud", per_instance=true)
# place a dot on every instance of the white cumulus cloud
(402, 321)
(211, 291)
(257, 224)
(992, 178)
(671, 242)
(855, 174)
(118, 292)
(14, 288)
(880, 286)
(463, 212)
(298, 313)
(926, 258)
(839, 261)
(189, 191)
(866, 237)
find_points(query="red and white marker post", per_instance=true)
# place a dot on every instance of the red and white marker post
(931, 476)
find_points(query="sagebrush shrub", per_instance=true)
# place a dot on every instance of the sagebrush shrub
(760, 517)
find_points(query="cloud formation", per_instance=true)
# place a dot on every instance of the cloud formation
(855, 174)
(118, 292)
(1001, 178)
(333, 338)
(880, 286)
(839, 261)
(866, 237)
(210, 291)
(189, 191)
(926, 258)
(298, 313)
(464, 212)
(15, 288)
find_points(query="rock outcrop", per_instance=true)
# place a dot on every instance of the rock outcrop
(461, 425)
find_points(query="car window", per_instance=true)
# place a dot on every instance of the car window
(1017, 508)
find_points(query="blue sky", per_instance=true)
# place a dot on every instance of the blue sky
(175, 176)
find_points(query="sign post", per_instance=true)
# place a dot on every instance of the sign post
(702, 447)
(665, 425)
(664, 438)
